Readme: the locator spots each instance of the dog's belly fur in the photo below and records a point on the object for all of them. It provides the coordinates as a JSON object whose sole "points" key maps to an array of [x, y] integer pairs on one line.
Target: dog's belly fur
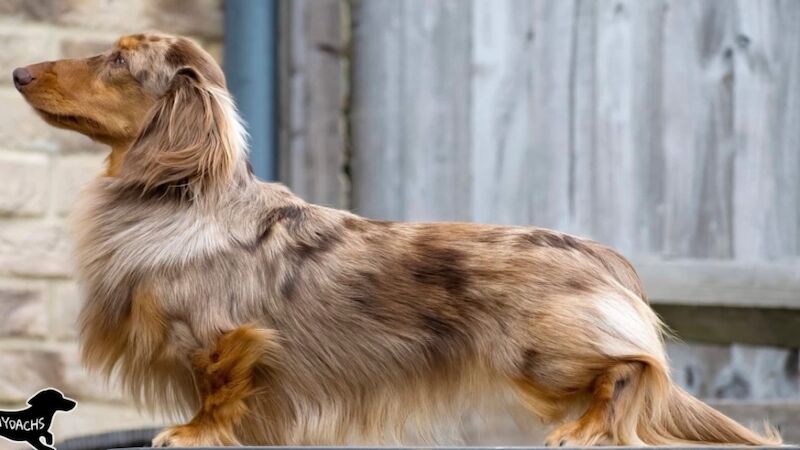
{"points": [[376, 321]]}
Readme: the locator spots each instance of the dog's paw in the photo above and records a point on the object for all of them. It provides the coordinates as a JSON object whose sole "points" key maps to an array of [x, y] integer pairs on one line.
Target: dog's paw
{"points": [[173, 437], [192, 436], [572, 436]]}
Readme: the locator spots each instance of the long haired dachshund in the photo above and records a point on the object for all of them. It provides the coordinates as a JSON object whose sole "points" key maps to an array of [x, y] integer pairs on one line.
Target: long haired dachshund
{"points": [[275, 321]]}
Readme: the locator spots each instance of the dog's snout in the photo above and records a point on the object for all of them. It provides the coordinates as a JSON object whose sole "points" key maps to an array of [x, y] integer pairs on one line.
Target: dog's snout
{"points": [[22, 77]]}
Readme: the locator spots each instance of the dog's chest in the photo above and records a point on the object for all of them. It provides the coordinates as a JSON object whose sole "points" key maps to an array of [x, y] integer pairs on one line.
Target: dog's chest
{"points": [[116, 237]]}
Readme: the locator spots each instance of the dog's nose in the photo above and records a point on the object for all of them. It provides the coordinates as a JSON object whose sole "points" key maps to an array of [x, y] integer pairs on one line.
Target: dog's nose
{"points": [[22, 77]]}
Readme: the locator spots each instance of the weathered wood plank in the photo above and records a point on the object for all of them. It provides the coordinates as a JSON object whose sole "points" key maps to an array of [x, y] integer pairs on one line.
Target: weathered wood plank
{"points": [[722, 302], [617, 157], [613, 168], [313, 90], [377, 118], [647, 128], [410, 109], [521, 111], [721, 283], [698, 134], [492, 56], [767, 114], [435, 98], [725, 325], [583, 138]]}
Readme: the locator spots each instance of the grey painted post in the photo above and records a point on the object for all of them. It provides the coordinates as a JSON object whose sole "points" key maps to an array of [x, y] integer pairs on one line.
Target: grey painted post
{"points": [[250, 66]]}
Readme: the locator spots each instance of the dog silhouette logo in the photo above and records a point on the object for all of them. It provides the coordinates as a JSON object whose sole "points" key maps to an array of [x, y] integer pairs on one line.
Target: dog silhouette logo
{"points": [[33, 423]]}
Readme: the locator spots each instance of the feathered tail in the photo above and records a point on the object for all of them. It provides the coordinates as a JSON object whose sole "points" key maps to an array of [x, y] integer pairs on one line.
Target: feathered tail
{"points": [[675, 417]]}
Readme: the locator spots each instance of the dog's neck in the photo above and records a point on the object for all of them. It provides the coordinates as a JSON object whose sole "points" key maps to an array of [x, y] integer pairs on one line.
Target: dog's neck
{"points": [[242, 173]]}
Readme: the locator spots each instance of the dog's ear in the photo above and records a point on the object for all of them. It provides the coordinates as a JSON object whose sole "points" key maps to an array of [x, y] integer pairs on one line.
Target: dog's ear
{"points": [[190, 140]]}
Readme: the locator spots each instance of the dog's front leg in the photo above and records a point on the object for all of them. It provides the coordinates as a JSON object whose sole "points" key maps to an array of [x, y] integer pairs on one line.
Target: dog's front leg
{"points": [[224, 377]]}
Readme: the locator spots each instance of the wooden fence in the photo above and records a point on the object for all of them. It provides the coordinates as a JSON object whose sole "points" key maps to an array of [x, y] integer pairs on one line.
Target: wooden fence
{"points": [[667, 128]]}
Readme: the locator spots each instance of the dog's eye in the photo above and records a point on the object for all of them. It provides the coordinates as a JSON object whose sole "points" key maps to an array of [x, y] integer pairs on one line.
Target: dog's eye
{"points": [[119, 60]]}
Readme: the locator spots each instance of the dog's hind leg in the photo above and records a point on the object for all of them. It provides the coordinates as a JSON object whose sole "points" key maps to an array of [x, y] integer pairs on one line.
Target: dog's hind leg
{"points": [[599, 356], [224, 377], [48, 437], [612, 414]]}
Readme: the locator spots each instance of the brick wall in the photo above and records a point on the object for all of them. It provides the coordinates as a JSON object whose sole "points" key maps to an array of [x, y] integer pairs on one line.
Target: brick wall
{"points": [[41, 172]]}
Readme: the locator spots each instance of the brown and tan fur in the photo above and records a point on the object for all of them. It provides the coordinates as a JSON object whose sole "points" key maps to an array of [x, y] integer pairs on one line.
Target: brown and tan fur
{"points": [[275, 321]]}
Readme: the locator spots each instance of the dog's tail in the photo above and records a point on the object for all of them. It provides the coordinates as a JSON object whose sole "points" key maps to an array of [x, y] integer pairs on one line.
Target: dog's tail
{"points": [[647, 406], [674, 417]]}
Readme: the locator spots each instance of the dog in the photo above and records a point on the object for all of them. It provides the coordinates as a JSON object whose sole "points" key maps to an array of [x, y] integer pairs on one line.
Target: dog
{"points": [[32, 424], [273, 321]]}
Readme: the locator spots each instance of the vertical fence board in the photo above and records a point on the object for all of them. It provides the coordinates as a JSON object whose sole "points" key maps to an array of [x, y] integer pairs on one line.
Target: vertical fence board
{"points": [[618, 157], [786, 240], [521, 105], [584, 88], [698, 138], [410, 116], [313, 89], [768, 130], [377, 116], [648, 181], [493, 61], [435, 102], [613, 170], [550, 109]]}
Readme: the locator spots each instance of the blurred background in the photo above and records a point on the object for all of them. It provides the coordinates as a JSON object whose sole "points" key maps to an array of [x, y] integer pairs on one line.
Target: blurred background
{"points": [[669, 129]]}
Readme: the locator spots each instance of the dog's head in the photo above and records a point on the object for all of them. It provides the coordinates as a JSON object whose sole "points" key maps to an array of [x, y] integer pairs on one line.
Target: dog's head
{"points": [[51, 399], [160, 101]]}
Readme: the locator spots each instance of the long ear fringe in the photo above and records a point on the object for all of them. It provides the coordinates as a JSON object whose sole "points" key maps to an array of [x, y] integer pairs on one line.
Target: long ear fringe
{"points": [[192, 140]]}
